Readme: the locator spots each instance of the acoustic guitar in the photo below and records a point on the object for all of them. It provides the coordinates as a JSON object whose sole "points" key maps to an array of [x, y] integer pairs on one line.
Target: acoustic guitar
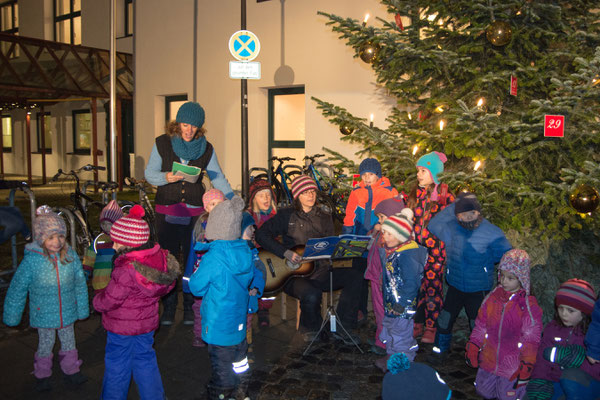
{"points": [[279, 270]]}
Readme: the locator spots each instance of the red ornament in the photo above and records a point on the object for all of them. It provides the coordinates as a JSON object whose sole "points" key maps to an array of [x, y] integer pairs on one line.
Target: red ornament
{"points": [[399, 22]]}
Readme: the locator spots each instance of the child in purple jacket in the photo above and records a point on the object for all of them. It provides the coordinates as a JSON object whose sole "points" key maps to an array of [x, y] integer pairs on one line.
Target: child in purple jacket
{"points": [[561, 368], [143, 272]]}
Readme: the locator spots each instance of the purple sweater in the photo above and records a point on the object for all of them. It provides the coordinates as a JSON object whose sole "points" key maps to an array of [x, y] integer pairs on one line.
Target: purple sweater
{"points": [[129, 304], [555, 334]]}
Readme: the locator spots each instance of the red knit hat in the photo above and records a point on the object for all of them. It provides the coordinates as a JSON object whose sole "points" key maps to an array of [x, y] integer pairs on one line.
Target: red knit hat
{"points": [[578, 294], [257, 186], [301, 184], [132, 230]]}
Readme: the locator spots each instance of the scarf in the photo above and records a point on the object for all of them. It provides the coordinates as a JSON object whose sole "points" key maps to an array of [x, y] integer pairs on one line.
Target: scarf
{"points": [[471, 225], [191, 150]]}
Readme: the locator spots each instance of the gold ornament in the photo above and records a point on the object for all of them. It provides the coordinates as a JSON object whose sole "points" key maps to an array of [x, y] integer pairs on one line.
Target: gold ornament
{"points": [[463, 187], [346, 130], [584, 199], [368, 52], [499, 33]]}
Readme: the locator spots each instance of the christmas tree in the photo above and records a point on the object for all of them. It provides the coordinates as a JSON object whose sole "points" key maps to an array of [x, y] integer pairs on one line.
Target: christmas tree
{"points": [[450, 65]]}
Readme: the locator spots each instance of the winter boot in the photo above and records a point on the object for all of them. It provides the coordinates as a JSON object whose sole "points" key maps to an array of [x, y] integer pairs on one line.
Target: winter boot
{"points": [[429, 335], [188, 312], [42, 366], [263, 318], [70, 363], [441, 348], [418, 330], [42, 384], [217, 393], [381, 363]]}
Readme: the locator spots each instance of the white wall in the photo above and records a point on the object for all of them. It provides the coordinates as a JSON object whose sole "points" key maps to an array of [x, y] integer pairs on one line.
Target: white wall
{"points": [[320, 61]]}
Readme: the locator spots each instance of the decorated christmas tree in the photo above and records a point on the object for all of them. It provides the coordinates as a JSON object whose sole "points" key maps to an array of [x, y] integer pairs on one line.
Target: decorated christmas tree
{"points": [[484, 81]]}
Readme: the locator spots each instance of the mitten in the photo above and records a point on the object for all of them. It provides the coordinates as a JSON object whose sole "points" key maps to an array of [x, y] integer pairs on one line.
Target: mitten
{"points": [[540, 389], [398, 308], [521, 376], [571, 356], [472, 355]]}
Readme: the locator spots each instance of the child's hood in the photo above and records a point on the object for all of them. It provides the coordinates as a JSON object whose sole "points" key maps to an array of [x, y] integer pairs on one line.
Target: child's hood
{"points": [[153, 267], [232, 253], [34, 249], [383, 182]]}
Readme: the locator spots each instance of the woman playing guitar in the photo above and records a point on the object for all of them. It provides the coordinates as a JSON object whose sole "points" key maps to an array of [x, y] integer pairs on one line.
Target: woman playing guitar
{"points": [[295, 225]]}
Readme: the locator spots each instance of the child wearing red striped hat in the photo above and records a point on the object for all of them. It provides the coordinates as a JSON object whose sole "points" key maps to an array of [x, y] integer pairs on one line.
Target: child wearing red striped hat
{"points": [[143, 272], [401, 279], [561, 368]]}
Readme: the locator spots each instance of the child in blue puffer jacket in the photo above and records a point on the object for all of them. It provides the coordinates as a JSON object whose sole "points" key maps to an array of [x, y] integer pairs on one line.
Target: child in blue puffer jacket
{"points": [[223, 279], [473, 246], [52, 275]]}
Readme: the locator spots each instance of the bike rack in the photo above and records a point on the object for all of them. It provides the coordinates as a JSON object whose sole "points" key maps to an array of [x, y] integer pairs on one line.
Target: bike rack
{"points": [[71, 218], [13, 240]]}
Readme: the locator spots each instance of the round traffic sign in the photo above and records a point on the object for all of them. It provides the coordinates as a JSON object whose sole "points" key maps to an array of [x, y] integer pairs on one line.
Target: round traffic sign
{"points": [[244, 45]]}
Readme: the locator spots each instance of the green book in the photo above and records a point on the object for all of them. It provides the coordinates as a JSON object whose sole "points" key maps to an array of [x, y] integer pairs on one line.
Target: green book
{"points": [[189, 172]]}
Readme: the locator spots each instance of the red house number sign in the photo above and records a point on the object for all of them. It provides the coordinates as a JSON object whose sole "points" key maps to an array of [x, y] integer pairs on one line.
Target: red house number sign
{"points": [[554, 125]]}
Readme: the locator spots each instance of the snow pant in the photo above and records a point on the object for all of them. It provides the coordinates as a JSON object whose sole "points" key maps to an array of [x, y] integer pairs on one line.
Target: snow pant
{"points": [[453, 303], [430, 299], [490, 386], [230, 368], [177, 239], [68, 356], [360, 264], [309, 291], [397, 334], [12, 221], [378, 310], [576, 384], [126, 356]]}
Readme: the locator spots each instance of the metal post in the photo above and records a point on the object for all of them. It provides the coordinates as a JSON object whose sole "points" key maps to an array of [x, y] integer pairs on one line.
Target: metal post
{"points": [[43, 140], [1, 145], [245, 175], [28, 144], [95, 140], [113, 92]]}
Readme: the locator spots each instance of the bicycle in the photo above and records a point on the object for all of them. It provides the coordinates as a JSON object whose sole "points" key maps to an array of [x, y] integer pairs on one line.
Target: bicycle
{"points": [[280, 179], [144, 201], [82, 233]]}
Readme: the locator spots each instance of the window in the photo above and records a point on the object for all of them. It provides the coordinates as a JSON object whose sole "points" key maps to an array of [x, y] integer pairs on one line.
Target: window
{"points": [[67, 21], [47, 132], [82, 131], [7, 133], [286, 123], [128, 17], [9, 17], [172, 104]]}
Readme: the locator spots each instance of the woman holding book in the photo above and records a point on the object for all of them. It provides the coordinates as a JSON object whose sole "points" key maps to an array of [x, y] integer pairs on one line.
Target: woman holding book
{"points": [[306, 219], [178, 200]]}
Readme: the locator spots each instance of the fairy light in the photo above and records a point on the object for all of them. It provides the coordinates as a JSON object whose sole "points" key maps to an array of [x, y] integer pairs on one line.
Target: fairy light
{"points": [[442, 123], [477, 165], [480, 102], [366, 19], [371, 118], [415, 149], [439, 109], [431, 17], [409, 116]]}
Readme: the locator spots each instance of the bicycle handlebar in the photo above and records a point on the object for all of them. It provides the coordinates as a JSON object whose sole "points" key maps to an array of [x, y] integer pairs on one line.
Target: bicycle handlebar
{"points": [[282, 159]]}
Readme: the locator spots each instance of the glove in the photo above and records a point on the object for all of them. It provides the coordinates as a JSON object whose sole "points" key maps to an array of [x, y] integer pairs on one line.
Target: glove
{"points": [[398, 308], [571, 356], [521, 376], [472, 355], [540, 389]]}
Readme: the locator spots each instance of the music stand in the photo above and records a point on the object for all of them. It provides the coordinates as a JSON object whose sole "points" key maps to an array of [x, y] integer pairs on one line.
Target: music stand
{"points": [[331, 313]]}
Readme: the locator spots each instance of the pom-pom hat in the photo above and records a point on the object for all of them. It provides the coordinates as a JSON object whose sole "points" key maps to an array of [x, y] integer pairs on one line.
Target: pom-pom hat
{"points": [[110, 213], [400, 225], [301, 184], [191, 113], [412, 380], [131, 230], [46, 224], [578, 294], [370, 165]]}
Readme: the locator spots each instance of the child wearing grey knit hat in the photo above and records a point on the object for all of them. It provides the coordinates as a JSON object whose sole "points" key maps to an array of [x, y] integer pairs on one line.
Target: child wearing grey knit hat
{"points": [[225, 220]]}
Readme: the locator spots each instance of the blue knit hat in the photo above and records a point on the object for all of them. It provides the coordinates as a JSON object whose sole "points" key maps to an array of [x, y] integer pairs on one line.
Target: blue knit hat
{"points": [[191, 113], [434, 162], [370, 165]]}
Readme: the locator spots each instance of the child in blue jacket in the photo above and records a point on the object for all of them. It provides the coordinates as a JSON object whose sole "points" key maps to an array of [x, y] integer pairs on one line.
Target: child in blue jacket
{"points": [[52, 275], [473, 246], [223, 280]]}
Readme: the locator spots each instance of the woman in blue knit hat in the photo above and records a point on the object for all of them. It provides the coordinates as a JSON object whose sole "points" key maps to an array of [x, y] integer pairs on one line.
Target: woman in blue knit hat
{"points": [[178, 201], [426, 199]]}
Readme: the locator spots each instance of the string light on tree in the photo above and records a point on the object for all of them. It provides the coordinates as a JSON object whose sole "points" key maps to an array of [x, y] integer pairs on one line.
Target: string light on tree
{"points": [[366, 19], [371, 118], [477, 165], [442, 123], [415, 149]]}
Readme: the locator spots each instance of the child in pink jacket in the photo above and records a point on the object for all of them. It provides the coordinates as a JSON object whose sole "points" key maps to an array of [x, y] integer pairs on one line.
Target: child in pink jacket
{"points": [[507, 332], [143, 272]]}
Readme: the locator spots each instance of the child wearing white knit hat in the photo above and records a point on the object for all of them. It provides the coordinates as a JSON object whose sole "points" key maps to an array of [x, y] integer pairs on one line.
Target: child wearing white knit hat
{"points": [[402, 274]]}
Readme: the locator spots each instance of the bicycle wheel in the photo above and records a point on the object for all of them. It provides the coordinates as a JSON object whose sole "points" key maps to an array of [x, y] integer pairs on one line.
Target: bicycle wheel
{"points": [[328, 202], [77, 235]]}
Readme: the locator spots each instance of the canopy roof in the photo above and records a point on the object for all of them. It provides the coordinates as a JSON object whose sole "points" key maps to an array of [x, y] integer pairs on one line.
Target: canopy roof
{"points": [[34, 69]]}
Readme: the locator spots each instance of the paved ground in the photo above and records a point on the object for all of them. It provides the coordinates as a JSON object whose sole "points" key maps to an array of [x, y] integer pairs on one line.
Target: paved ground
{"points": [[331, 370]]}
